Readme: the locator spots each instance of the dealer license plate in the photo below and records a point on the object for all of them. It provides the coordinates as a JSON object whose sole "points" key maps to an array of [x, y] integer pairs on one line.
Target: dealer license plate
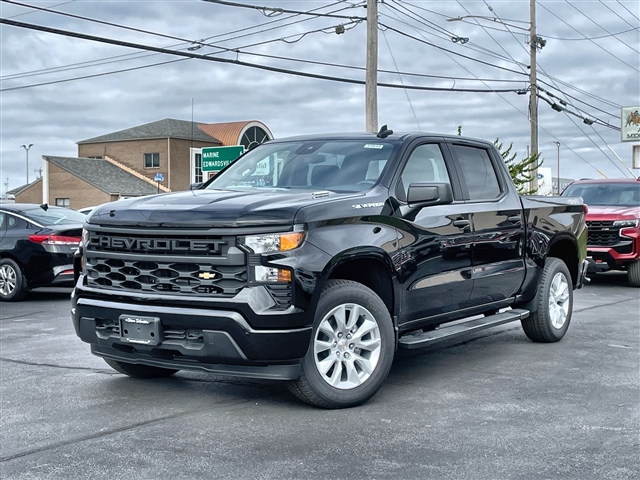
{"points": [[140, 330]]}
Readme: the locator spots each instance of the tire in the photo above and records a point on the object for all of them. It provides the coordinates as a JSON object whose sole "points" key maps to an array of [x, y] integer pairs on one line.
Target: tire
{"points": [[348, 359], [11, 281], [633, 273], [555, 304], [136, 370]]}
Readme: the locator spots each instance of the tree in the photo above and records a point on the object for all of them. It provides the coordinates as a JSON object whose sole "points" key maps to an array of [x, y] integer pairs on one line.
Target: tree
{"points": [[521, 171]]}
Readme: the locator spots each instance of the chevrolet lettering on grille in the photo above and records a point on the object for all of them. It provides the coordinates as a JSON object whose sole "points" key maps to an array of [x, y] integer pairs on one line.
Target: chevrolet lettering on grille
{"points": [[157, 245]]}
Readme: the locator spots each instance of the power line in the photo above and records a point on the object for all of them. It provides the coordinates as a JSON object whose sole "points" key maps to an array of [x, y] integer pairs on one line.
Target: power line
{"points": [[634, 29], [52, 6], [630, 12], [426, 42], [619, 16], [278, 11], [137, 55], [384, 35], [600, 47], [443, 32], [121, 43], [596, 23], [566, 111]]}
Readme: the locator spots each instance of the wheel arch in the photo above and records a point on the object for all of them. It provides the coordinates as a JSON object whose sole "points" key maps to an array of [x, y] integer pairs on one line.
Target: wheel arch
{"points": [[565, 248], [372, 268]]}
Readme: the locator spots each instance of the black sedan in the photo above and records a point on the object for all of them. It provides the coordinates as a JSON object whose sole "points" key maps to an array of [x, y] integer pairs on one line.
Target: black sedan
{"points": [[37, 243]]}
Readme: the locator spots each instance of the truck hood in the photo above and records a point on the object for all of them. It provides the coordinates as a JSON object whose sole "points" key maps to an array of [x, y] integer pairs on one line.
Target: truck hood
{"points": [[612, 212], [211, 208]]}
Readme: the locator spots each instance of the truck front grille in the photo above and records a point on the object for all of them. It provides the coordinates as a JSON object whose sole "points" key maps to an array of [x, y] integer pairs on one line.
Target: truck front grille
{"points": [[602, 234], [190, 265]]}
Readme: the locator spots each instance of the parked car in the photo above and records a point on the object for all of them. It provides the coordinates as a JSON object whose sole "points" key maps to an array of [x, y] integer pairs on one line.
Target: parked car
{"points": [[37, 243], [86, 210], [613, 221]]}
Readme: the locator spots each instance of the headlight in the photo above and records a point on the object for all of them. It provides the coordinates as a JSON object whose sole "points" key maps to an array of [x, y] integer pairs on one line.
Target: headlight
{"points": [[85, 238], [626, 223], [276, 242]]}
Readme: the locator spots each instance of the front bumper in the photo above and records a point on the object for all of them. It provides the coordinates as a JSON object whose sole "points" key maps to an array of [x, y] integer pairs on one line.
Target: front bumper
{"points": [[213, 340], [607, 258]]}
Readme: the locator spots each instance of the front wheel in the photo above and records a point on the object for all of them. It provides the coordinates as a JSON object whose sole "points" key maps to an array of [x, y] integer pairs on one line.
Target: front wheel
{"points": [[633, 273], [135, 370], [351, 349], [555, 304]]}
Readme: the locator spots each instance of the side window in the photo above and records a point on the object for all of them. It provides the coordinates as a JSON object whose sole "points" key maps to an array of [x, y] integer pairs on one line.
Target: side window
{"points": [[425, 164], [2, 220], [14, 222], [478, 172]]}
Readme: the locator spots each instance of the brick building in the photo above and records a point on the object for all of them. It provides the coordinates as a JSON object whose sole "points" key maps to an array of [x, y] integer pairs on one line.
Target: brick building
{"points": [[125, 163]]}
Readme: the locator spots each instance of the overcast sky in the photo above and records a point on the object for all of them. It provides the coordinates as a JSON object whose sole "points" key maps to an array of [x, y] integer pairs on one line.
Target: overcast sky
{"points": [[601, 70]]}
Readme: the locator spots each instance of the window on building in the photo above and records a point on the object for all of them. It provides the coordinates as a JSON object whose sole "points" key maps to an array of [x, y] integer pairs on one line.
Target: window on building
{"points": [[96, 157], [62, 202], [198, 161], [151, 160]]}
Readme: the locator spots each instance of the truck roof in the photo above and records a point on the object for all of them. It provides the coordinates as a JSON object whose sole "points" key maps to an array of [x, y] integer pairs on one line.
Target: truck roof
{"points": [[607, 180]]}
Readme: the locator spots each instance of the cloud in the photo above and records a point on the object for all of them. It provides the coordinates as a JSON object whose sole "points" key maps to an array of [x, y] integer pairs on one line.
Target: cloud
{"points": [[55, 117]]}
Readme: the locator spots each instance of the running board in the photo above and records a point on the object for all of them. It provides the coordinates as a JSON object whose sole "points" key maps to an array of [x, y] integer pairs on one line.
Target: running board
{"points": [[459, 329]]}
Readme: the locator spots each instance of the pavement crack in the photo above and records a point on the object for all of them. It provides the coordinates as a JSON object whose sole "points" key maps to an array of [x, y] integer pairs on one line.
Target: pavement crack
{"points": [[126, 428], [52, 365], [2, 319], [617, 302]]}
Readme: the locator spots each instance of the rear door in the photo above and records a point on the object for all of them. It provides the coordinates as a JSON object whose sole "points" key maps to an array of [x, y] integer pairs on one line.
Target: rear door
{"points": [[496, 217], [434, 252]]}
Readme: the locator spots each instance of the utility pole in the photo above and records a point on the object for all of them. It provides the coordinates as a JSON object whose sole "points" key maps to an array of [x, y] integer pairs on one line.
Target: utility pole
{"points": [[533, 92], [371, 87], [38, 171], [6, 188]]}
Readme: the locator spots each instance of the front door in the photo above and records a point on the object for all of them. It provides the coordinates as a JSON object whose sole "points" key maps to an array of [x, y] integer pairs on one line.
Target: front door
{"points": [[434, 255]]}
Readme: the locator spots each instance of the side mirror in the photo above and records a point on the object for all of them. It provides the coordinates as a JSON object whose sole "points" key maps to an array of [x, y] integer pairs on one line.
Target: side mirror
{"points": [[195, 186], [423, 194]]}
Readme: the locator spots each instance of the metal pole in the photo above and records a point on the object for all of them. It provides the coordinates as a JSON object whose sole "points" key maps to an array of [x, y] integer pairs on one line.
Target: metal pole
{"points": [[533, 99], [558, 145], [26, 148], [371, 87]]}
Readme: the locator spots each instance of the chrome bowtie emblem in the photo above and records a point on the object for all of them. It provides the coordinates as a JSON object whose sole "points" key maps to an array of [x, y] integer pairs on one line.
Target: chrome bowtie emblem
{"points": [[206, 275]]}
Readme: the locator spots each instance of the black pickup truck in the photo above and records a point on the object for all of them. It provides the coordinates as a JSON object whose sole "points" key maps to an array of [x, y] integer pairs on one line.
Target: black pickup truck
{"points": [[313, 259]]}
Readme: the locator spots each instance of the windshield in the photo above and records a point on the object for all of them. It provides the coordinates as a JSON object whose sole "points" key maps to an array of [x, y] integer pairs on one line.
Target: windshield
{"points": [[336, 165], [55, 216], [616, 194]]}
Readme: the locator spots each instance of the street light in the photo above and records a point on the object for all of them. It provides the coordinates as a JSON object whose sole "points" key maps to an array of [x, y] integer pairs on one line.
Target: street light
{"points": [[26, 149], [558, 145]]}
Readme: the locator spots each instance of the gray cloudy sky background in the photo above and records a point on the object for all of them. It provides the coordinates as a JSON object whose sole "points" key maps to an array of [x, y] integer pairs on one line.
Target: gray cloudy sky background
{"points": [[54, 117]]}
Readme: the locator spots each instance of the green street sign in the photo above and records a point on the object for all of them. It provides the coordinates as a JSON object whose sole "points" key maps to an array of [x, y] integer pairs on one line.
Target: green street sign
{"points": [[215, 159]]}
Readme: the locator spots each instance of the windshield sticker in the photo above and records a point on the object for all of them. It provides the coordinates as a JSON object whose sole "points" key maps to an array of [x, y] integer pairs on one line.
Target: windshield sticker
{"points": [[374, 145], [368, 205]]}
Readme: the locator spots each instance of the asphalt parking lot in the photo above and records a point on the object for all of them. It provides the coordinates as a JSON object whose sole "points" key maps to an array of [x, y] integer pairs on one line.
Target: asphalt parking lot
{"points": [[491, 406]]}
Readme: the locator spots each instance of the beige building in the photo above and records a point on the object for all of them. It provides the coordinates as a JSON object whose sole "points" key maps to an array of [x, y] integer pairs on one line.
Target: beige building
{"points": [[125, 163]]}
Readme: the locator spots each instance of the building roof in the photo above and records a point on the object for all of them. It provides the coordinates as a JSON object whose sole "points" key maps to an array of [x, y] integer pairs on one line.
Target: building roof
{"points": [[167, 128], [104, 175], [229, 133], [22, 188]]}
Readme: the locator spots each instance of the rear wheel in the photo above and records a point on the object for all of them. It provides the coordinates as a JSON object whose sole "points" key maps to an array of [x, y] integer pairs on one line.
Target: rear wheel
{"points": [[633, 273], [11, 281], [351, 348], [139, 371], [555, 304]]}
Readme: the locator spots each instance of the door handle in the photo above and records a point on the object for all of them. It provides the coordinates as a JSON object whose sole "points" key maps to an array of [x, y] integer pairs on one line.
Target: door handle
{"points": [[461, 223], [514, 219]]}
